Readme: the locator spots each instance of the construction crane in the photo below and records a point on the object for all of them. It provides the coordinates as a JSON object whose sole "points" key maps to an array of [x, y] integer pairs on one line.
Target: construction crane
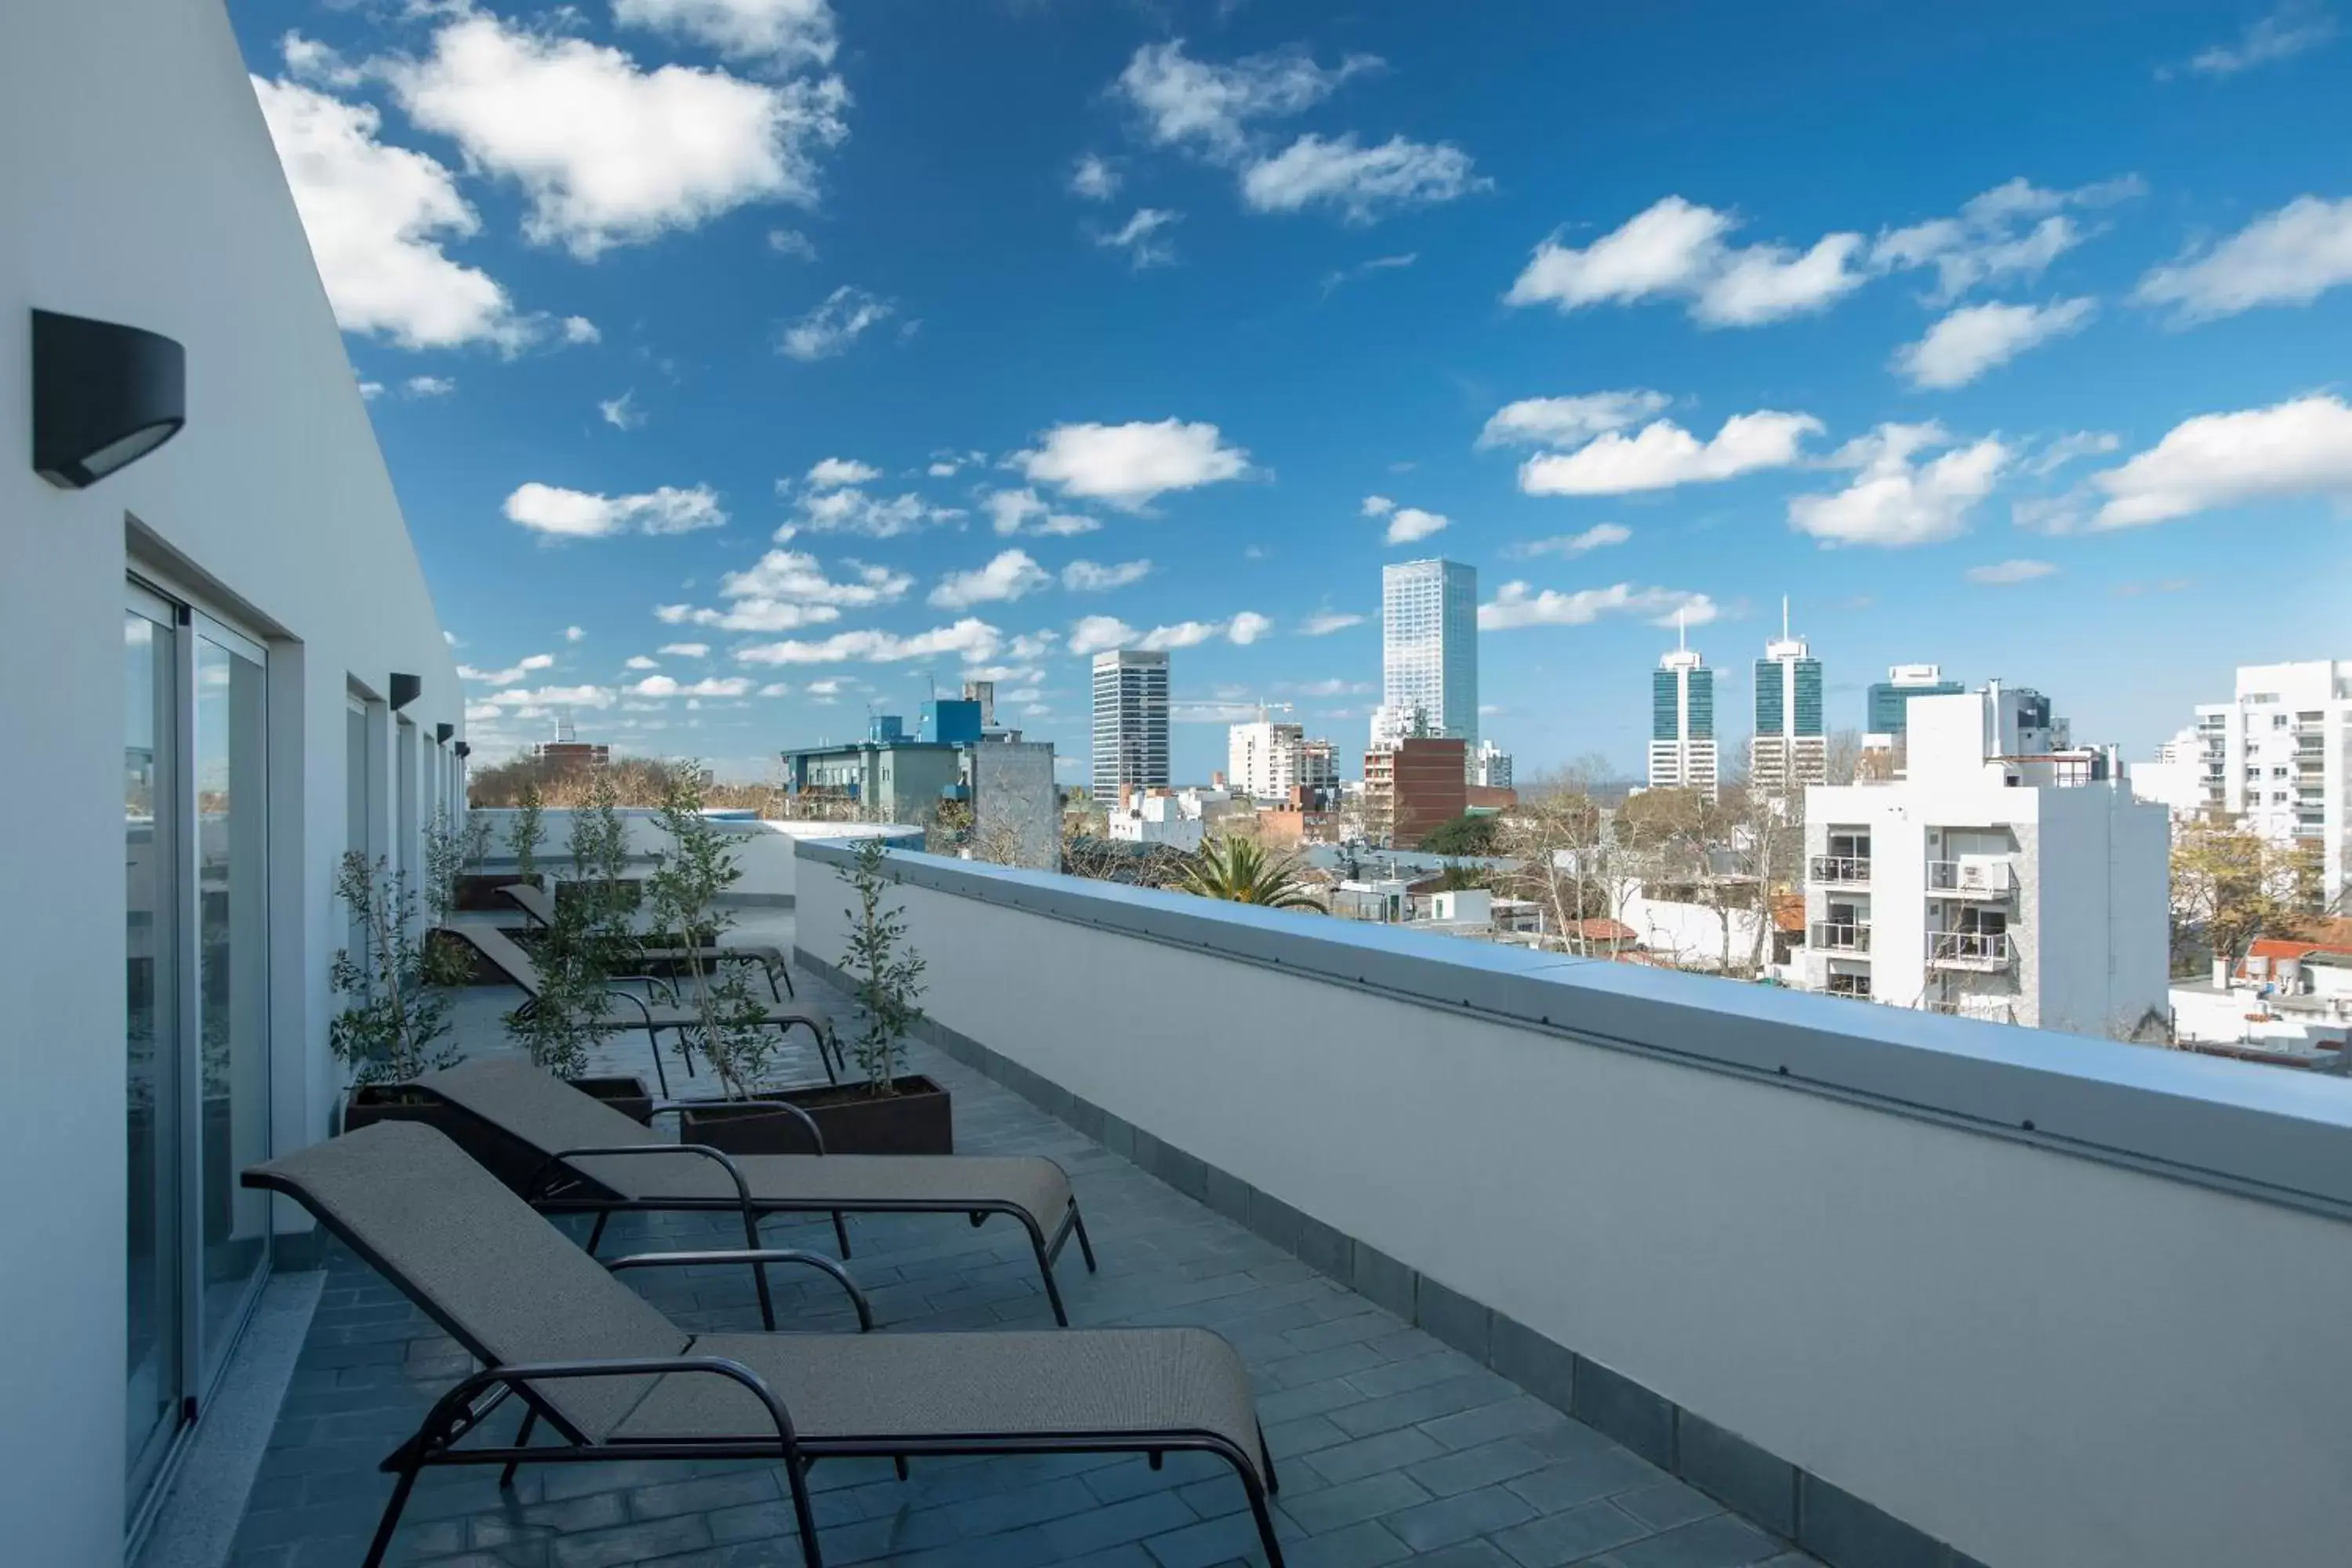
{"points": [[1263, 708]]}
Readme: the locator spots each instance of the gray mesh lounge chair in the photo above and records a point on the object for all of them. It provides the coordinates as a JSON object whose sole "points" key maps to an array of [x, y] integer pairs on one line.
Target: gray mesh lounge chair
{"points": [[507, 956], [599, 1161], [613, 1380], [536, 904]]}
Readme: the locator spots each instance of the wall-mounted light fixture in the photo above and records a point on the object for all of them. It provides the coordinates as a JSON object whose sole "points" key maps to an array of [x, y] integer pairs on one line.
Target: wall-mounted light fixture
{"points": [[463, 749], [104, 395], [404, 688], [441, 734]]}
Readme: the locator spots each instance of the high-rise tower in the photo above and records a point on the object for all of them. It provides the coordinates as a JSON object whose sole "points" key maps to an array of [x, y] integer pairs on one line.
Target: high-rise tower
{"points": [[1682, 720], [1429, 652], [1792, 748], [1131, 733]]}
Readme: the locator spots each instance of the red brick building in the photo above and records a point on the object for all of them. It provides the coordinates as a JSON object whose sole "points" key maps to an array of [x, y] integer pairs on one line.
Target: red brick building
{"points": [[1410, 787]]}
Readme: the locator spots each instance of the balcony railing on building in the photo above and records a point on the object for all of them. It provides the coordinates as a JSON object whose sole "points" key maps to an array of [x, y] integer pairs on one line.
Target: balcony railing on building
{"points": [[1840, 868], [1842, 936], [1970, 949], [1839, 982], [1971, 878]]}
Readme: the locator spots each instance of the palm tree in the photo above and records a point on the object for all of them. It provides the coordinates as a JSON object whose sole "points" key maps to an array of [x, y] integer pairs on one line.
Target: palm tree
{"points": [[1240, 871]]}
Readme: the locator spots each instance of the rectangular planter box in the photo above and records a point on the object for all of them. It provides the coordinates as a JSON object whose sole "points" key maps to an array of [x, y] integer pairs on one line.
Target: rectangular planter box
{"points": [[918, 1120], [477, 891], [626, 1095], [511, 1160]]}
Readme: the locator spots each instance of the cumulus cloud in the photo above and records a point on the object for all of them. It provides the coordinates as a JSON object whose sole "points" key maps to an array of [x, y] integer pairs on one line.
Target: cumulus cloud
{"points": [[1022, 511], [1663, 454], [831, 473], [1378, 506], [1182, 634], [2068, 448], [1408, 524], [1090, 577], [2009, 233], [640, 661], [2290, 257], [852, 510], [577, 330], [1677, 249], [377, 218], [785, 590], [1363, 183], [1894, 501], [1127, 465], [1517, 605], [555, 697], [429, 387], [1139, 236], [2005, 573], [833, 325], [1599, 536], [1569, 421], [1208, 108], [1011, 574], [2301, 448], [791, 242], [1328, 622], [970, 638], [1974, 338], [609, 154], [781, 35], [1100, 634], [685, 650], [309, 60], [574, 634], [710, 685], [1094, 178], [520, 669], [2293, 27], [1247, 628], [578, 514], [1332, 280], [621, 413]]}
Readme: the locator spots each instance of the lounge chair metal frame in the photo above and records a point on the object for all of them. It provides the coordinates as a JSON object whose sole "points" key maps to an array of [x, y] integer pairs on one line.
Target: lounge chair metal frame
{"points": [[462, 1410], [527, 899]]}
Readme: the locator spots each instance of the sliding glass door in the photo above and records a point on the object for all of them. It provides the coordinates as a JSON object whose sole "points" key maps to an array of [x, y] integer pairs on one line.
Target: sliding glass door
{"points": [[195, 825]]}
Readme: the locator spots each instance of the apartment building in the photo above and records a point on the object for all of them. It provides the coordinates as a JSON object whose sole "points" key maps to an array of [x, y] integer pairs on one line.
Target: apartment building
{"points": [[1411, 786], [1130, 722], [1682, 723], [2278, 757], [1791, 746], [2001, 877]]}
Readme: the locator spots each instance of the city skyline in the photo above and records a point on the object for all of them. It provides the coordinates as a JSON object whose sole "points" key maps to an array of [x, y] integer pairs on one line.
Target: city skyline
{"points": [[1246, 302]]}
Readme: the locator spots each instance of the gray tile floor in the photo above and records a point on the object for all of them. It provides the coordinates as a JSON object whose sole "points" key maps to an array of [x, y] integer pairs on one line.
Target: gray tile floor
{"points": [[1390, 1447]]}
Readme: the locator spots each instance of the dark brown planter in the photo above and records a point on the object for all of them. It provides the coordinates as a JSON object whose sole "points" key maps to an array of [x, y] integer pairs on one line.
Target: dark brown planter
{"points": [[626, 1095], [915, 1121], [467, 960], [477, 891]]}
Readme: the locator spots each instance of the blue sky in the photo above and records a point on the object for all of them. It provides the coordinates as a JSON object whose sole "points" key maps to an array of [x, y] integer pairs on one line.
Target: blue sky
{"points": [[862, 346]]}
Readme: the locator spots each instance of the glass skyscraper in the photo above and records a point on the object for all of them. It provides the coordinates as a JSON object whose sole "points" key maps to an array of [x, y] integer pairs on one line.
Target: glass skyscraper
{"points": [[1682, 724], [1429, 651], [1130, 731], [1791, 745]]}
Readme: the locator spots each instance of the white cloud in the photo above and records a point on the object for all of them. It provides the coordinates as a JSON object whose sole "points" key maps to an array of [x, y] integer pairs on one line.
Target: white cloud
{"points": [[1408, 524], [685, 650], [1378, 506], [2293, 27], [2068, 447], [640, 661], [852, 511], [309, 60], [1192, 103], [621, 413], [377, 217], [1973, 339], [1333, 687], [710, 685], [519, 670], [2290, 257], [1663, 454], [1328, 622], [833, 325], [2005, 573], [1139, 237], [786, 590], [1127, 465], [1598, 537], [578, 514], [972, 638], [1093, 178], [1021, 511], [1517, 605], [1089, 577], [578, 330], [1569, 421], [831, 473], [776, 689], [609, 154], [791, 242], [556, 697], [1676, 248], [1099, 634], [1247, 628], [1894, 503], [1184, 634], [429, 387], [780, 34], [574, 634], [2301, 448], [1990, 240], [370, 390], [1363, 183], [1332, 280], [1011, 574], [1195, 711]]}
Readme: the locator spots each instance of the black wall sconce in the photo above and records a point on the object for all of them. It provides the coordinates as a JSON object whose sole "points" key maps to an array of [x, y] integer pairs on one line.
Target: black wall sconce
{"points": [[104, 395], [441, 734], [405, 688], [463, 749]]}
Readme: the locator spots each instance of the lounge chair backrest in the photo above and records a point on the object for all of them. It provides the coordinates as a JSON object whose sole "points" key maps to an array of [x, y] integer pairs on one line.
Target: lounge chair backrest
{"points": [[532, 899], [505, 953], [538, 1107], [506, 1284]]}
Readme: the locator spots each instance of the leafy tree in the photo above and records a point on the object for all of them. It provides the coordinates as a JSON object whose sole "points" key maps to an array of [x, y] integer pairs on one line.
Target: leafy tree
{"points": [[1472, 833], [1240, 871], [1568, 861], [573, 1011], [526, 833], [2229, 885], [886, 974], [391, 1030], [695, 871]]}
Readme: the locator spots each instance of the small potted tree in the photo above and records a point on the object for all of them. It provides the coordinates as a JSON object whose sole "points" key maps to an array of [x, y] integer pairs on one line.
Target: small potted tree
{"points": [[477, 890], [887, 1110], [394, 1024]]}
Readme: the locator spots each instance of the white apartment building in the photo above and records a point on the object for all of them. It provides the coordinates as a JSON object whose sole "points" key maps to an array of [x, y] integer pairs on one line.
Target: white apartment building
{"points": [[1490, 766], [1682, 724], [1999, 879], [2278, 757], [2175, 780], [1429, 652], [1130, 722], [1179, 820]]}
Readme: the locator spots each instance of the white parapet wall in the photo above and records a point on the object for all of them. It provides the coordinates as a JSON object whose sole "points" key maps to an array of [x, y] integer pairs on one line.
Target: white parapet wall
{"points": [[764, 848], [2050, 1300]]}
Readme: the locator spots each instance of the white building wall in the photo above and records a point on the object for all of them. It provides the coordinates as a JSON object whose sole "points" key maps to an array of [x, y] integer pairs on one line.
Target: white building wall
{"points": [[142, 187], [2259, 739]]}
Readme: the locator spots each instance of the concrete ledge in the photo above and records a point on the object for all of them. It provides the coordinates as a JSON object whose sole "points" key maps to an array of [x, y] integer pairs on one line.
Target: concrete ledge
{"points": [[1840, 1529]]}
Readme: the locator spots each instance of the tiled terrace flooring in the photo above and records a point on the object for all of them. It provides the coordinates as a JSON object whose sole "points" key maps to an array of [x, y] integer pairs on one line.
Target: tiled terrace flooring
{"points": [[1390, 1447]]}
